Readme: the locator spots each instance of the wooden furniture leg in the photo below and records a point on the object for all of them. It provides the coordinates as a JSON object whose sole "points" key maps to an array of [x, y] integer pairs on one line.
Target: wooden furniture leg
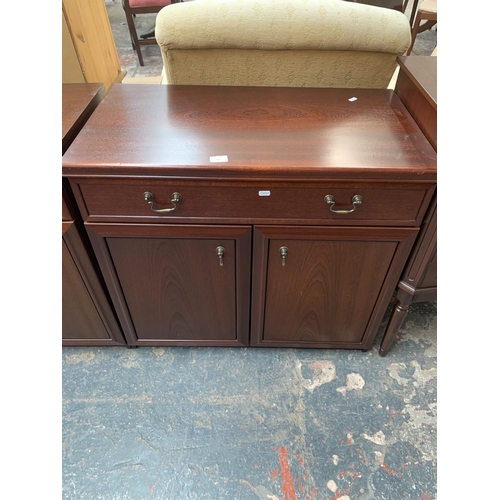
{"points": [[424, 13], [398, 315], [133, 34]]}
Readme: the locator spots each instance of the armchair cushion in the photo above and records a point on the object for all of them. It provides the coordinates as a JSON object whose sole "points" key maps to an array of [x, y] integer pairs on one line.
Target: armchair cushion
{"points": [[318, 43]]}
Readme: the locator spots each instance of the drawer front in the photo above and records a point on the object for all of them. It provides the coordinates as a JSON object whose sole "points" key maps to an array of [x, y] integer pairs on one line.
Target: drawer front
{"points": [[202, 202]]}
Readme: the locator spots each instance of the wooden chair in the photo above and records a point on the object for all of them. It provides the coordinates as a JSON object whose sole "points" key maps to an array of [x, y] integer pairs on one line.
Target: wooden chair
{"points": [[133, 7], [426, 10]]}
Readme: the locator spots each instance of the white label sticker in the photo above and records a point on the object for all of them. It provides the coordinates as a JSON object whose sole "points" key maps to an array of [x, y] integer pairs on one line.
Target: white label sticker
{"points": [[264, 193], [352, 99], [218, 159]]}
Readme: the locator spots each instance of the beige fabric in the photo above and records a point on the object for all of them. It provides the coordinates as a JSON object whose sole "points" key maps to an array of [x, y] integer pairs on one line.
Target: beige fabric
{"points": [[428, 6], [295, 43]]}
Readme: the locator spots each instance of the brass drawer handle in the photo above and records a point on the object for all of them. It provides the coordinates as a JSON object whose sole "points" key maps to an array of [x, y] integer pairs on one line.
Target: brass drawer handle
{"points": [[176, 197], [220, 253], [356, 200], [283, 253]]}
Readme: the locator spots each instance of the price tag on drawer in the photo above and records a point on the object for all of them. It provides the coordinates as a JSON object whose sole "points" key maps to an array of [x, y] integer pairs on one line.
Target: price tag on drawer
{"points": [[264, 193]]}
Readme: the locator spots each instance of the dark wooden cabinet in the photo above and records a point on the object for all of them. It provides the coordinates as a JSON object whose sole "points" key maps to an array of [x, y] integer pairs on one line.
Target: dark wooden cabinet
{"points": [[166, 176], [178, 285], [87, 315], [416, 86]]}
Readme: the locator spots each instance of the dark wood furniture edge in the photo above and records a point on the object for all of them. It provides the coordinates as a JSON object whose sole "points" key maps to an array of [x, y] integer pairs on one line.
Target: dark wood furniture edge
{"points": [[402, 62], [92, 282], [84, 115]]}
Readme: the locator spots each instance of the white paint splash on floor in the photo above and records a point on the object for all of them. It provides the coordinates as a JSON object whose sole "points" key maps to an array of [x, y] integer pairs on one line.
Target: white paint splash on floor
{"points": [[416, 333], [332, 486], [423, 376], [72, 359], [354, 382], [379, 458], [377, 438], [394, 369], [324, 372]]}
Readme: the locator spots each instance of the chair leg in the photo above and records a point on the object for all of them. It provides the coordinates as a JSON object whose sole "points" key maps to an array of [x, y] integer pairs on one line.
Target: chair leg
{"points": [[414, 32], [133, 36], [413, 11]]}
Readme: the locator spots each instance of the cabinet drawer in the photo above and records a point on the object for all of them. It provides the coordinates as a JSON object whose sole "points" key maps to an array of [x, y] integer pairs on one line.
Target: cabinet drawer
{"points": [[125, 201]]}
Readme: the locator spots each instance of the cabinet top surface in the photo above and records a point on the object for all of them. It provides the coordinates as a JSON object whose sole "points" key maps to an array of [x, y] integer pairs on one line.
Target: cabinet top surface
{"points": [[422, 70], [78, 101], [159, 130]]}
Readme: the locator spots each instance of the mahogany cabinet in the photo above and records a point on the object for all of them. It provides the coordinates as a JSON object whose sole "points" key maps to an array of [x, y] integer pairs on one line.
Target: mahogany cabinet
{"points": [[251, 216], [416, 86], [87, 315]]}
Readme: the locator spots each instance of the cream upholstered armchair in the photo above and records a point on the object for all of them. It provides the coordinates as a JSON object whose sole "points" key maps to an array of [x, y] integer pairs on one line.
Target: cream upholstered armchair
{"points": [[288, 43]]}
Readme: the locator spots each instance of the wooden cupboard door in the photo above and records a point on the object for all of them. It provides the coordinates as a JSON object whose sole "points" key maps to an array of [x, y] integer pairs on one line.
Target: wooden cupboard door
{"points": [[87, 318], [330, 287], [169, 283]]}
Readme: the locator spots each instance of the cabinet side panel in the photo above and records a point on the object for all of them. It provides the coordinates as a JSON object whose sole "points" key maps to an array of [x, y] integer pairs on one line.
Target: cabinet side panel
{"points": [[80, 319]]}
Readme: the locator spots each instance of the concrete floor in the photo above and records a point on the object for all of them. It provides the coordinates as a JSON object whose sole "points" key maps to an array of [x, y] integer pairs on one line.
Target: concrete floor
{"points": [[251, 424], [240, 423]]}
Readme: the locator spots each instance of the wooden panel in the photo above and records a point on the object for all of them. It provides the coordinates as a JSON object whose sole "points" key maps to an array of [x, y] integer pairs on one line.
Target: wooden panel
{"points": [[80, 319], [90, 30], [417, 88], [79, 101], [87, 316], [267, 133], [326, 290], [168, 284], [66, 212], [333, 288], [71, 69], [176, 289], [244, 202]]}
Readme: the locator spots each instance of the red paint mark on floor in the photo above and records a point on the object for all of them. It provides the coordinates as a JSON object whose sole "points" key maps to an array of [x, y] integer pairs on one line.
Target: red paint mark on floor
{"points": [[286, 476], [340, 494], [424, 496], [389, 471], [348, 473], [274, 473]]}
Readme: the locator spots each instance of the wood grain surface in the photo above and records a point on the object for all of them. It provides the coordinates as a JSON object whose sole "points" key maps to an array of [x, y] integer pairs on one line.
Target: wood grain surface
{"points": [[296, 133]]}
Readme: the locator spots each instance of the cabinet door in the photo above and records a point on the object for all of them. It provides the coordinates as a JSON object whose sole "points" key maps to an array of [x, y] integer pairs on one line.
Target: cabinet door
{"points": [[87, 318], [330, 289], [177, 285]]}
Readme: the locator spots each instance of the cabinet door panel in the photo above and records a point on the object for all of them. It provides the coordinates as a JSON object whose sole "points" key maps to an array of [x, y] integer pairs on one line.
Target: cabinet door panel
{"points": [[176, 289], [332, 288], [326, 290], [168, 284]]}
